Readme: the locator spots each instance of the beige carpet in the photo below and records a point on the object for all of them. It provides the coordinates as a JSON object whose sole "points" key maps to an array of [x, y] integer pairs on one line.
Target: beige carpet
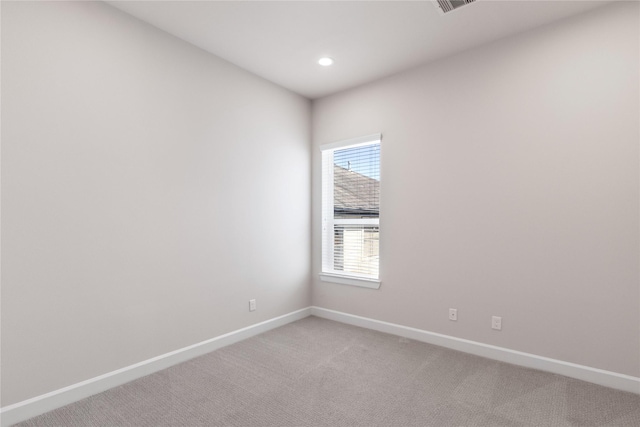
{"points": [[316, 372]]}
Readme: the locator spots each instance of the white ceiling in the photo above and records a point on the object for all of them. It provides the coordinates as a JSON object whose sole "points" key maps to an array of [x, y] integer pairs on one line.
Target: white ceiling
{"points": [[283, 40]]}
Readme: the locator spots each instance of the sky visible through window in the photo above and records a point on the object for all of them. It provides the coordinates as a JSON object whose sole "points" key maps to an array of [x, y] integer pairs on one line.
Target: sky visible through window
{"points": [[364, 160]]}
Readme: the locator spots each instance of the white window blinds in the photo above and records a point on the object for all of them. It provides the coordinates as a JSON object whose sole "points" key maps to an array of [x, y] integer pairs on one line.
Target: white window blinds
{"points": [[351, 208]]}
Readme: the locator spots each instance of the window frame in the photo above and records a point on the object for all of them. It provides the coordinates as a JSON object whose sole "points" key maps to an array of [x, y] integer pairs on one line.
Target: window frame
{"points": [[328, 274]]}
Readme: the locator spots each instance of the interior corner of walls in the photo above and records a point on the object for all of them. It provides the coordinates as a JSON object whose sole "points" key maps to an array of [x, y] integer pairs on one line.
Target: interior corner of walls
{"points": [[149, 180]]}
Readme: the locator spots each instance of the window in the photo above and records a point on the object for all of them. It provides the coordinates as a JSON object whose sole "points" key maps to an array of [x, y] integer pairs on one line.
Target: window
{"points": [[351, 211]]}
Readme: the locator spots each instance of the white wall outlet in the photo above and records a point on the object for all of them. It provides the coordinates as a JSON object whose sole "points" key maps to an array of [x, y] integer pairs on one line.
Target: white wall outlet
{"points": [[252, 305], [453, 314], [496, 323]]}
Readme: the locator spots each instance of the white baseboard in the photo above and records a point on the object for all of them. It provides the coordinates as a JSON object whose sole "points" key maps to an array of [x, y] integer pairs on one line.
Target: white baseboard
{"points": [[585, 373], [38, 405]]}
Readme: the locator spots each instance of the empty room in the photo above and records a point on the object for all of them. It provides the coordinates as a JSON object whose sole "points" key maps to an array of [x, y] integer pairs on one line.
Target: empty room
{"points": [[320, 213]]}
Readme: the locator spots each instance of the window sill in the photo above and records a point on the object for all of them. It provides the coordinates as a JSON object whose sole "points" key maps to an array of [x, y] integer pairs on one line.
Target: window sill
{"points": [[350, 280]]}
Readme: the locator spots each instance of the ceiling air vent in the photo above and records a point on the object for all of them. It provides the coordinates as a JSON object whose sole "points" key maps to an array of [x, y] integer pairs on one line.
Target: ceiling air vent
{"points": [[446, 6]]}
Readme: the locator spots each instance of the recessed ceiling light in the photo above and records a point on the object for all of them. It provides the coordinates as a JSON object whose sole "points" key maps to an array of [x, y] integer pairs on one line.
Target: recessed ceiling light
{"points": [[325, 62]]}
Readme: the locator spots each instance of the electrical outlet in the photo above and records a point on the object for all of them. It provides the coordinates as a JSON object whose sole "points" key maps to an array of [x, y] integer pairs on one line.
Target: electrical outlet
{"points": [[252, 305], [453, 314], [496, 323]]}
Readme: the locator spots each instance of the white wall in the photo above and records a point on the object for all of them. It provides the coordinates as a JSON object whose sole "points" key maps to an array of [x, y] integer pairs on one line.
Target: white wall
{"points": [[149, 190], [139, 175], [510, 187]]}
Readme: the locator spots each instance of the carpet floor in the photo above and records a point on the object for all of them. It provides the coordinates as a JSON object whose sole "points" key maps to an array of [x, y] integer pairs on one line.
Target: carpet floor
{"points": [[316, 372]]}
